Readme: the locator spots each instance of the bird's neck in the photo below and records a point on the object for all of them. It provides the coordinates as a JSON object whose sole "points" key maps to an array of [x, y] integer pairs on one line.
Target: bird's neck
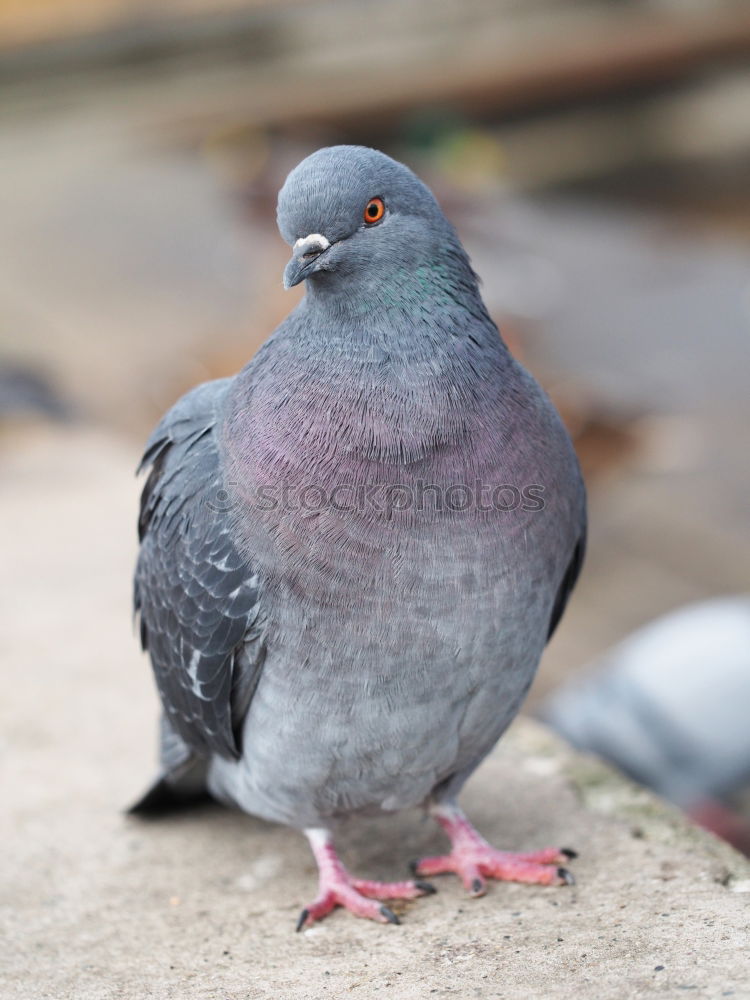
{"points": [[398, 307]]}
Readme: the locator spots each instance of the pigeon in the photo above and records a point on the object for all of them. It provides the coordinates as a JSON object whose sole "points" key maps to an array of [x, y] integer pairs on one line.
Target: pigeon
{"points": [[668, 706], [354, 551]]}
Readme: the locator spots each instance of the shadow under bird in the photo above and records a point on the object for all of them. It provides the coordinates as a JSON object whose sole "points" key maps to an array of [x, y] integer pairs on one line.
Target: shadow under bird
{"points": [[354, 551]]}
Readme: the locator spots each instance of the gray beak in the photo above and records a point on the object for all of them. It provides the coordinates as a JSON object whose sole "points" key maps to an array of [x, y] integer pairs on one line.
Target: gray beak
{"points": [[305, 254]]}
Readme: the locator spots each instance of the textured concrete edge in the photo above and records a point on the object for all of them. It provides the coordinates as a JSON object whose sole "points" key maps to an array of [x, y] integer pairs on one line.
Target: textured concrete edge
{"points": [[602, 789]]}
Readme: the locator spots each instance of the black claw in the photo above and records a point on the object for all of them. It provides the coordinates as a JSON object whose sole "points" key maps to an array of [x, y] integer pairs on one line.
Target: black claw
{"points": [[426, 887], [414, 866], [566, 876], [476, 885], [389, 915], [569, 853], [302, 919]]}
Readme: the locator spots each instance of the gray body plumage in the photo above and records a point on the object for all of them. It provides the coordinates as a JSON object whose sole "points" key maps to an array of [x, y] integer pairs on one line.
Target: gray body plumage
{"points": [[333, 628]]}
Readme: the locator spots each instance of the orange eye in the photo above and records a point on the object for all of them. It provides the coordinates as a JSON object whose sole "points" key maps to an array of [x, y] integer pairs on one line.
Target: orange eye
{"points": [[374, 210]]}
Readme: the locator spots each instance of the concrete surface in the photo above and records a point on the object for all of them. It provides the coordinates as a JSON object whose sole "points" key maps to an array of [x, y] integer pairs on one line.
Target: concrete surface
{"points": [[95, 905]]}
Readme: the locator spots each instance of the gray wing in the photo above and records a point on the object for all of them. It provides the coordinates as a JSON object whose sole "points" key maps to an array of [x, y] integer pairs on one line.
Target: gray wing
{"points": [[197, 597]]}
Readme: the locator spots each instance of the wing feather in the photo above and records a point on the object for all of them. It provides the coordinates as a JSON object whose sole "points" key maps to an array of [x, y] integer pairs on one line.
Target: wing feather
{"points": [[197, 597]]}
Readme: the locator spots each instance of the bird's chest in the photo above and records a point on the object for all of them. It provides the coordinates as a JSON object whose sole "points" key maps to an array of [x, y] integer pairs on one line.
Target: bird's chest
{"points": [[396, 528], [395, 567]]}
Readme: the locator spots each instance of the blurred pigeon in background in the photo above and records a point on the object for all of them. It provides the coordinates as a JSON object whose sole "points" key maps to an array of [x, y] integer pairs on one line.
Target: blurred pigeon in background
{"points": [[354, 551], [669, 707]]}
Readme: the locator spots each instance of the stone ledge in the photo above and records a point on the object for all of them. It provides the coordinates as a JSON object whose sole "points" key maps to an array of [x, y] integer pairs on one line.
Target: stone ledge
{"points": [[98, 907]]}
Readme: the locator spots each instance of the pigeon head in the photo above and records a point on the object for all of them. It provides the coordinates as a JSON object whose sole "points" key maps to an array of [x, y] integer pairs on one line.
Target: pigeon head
{"points": [[356, 219]]}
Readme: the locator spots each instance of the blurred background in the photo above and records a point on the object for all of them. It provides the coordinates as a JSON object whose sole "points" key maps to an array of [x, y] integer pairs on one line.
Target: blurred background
{"points": [[595, 158]]}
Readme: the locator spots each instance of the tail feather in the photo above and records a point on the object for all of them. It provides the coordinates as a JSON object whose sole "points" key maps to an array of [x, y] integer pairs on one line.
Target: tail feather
{"points": [[181, 783], [164, 797]]}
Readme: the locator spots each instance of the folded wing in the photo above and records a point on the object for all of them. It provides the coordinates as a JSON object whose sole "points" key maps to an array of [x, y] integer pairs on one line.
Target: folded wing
{"points": [[197, 597]]}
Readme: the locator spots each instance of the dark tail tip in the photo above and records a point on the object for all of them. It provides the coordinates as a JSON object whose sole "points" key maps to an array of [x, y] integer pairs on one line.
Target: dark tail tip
{"points": [[163, 798]]}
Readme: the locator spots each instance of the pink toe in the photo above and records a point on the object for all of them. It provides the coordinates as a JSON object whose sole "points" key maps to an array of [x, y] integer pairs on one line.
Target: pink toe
{"points": [[360, 906], [439, 865], [512, 868], [387, 890], [318, 909], [548, 856], [471, 876]]}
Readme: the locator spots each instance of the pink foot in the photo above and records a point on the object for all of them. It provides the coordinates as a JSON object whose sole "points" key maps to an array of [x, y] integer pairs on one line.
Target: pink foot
{"points": [[360, 896], [473, 859]]}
